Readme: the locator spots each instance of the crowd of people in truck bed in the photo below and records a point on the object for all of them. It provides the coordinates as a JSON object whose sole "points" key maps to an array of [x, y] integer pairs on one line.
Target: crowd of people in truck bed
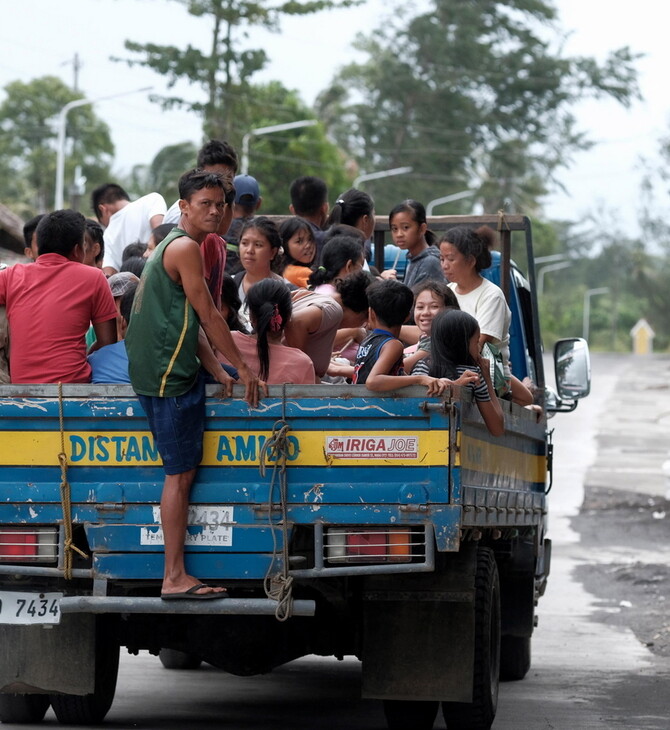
{"points": [[300, 299]]}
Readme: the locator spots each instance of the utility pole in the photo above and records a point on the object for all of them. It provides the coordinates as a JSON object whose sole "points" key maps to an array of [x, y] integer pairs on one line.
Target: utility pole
{"points": [[76, 65]]}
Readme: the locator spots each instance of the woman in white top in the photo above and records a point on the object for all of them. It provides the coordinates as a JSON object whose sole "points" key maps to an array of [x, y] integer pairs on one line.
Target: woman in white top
{"points": [[463, 254]]}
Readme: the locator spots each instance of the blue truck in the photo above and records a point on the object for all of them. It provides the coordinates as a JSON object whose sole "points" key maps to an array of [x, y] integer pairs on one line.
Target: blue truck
{"points": [[390, 527]]}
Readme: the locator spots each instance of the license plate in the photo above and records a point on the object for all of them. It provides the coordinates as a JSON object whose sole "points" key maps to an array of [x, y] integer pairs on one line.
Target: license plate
{"points": [[29, 608]]}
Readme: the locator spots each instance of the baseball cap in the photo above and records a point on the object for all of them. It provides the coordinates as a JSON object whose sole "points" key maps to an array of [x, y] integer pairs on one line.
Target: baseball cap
{"points": [[120, 283], [247, 191]]}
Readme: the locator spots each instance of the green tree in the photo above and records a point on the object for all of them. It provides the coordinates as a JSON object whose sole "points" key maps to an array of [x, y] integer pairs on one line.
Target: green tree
{"points": [[164, 171], [225, 69], [276, 159], [471, 96], [28, 134]]}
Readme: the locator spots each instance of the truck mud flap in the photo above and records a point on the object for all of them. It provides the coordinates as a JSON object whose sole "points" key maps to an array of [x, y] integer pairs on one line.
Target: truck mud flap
{"points": [[419, 633], [57, 658]]}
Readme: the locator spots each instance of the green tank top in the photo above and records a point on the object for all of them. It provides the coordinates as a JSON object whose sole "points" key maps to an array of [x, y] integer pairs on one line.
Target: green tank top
{"points": [[162, 336]]}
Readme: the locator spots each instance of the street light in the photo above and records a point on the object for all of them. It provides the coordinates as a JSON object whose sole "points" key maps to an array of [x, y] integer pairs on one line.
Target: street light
{"points": [[268, 130], [587, 308], [448, 199], [60, 146], [545, 270], [381, 174], [552, 257]]}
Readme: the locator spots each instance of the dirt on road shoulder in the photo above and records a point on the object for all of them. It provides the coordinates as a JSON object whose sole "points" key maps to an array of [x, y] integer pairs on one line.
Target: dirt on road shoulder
{"points": [[627, 534]]}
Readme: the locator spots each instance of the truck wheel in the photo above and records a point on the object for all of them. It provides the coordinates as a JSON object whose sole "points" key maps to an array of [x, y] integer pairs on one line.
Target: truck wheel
{"points": [[480, 713], [415, 714], [514, 657], [23, 708], [91, 709], [173, 659]]}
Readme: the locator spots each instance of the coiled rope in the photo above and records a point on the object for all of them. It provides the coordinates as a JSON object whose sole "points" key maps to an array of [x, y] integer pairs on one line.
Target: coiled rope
{"points": [[278, 586], [65, 498]]}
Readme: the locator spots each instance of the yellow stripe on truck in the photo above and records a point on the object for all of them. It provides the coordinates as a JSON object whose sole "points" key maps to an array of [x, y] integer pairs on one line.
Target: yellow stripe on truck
{"points": [[224, 448]]}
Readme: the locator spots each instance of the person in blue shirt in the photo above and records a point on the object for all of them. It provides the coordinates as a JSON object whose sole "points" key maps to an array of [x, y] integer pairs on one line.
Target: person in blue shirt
{"points": [[109, 364]]}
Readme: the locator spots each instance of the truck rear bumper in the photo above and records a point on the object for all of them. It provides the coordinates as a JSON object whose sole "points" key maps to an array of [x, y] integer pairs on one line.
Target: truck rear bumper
{"points": [[123, 604]]}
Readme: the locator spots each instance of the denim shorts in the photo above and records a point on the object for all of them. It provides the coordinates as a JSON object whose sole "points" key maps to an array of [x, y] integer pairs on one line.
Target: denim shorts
{"points": [[177, 424]]}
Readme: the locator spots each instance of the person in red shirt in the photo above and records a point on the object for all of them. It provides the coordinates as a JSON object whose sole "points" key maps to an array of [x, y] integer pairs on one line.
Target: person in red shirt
{"points": [[51, 304]]}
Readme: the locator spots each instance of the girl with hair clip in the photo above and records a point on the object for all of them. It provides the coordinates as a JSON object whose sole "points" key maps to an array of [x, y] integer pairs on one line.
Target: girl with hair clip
{"points": [[455, 356], [355, 208], [270, 311], [341, 256], [409, 230], [297, 239]]}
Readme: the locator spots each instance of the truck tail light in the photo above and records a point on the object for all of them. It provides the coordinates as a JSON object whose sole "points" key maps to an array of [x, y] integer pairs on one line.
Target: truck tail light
{"points": [[369, 545], [28, 544]]}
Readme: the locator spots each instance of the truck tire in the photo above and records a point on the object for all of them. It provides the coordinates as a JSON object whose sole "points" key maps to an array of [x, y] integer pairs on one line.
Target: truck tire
{"points": [[414, 714], [91, 709], [514, 658], [481, 712], [21, 709], [173, 659]]}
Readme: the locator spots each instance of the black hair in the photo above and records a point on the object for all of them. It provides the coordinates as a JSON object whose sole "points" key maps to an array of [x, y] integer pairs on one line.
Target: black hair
{"points": [[287, 230], [161, 231], [270, 307], [440, 289], [450, 337], [391, 301], [107, 193], [133, 249], [266, 226], [134, 264], [217, 152], [349, 207], [341, 229], [308, 194], [94, 230], [469, 243], [353, 291], [30, 227], [126, 301], [193, 180], [334, 257], [418, 213], [60, 231], [230, 296]]}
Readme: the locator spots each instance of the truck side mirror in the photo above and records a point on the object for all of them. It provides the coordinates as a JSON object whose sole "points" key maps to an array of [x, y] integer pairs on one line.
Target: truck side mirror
{"points": [[572, 367]]}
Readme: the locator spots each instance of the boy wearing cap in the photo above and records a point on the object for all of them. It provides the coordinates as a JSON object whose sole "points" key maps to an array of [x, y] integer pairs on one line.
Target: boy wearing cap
{"points": [[247, 201]]}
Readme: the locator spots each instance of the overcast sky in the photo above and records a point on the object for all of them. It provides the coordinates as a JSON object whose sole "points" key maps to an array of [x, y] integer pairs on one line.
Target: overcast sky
{"points": [[40, 37]]}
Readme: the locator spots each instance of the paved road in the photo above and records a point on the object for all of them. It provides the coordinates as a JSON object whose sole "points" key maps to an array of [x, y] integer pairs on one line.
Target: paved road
{"points": [[585, 674]]}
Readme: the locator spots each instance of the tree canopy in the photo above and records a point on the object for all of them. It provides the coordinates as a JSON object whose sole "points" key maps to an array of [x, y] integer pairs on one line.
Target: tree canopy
{"points": [[225, 69], [28, 135], [471, 95]]}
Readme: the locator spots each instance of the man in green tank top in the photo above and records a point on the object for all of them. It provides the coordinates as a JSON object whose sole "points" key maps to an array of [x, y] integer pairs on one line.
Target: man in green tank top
{"points": [[168, 339]]}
